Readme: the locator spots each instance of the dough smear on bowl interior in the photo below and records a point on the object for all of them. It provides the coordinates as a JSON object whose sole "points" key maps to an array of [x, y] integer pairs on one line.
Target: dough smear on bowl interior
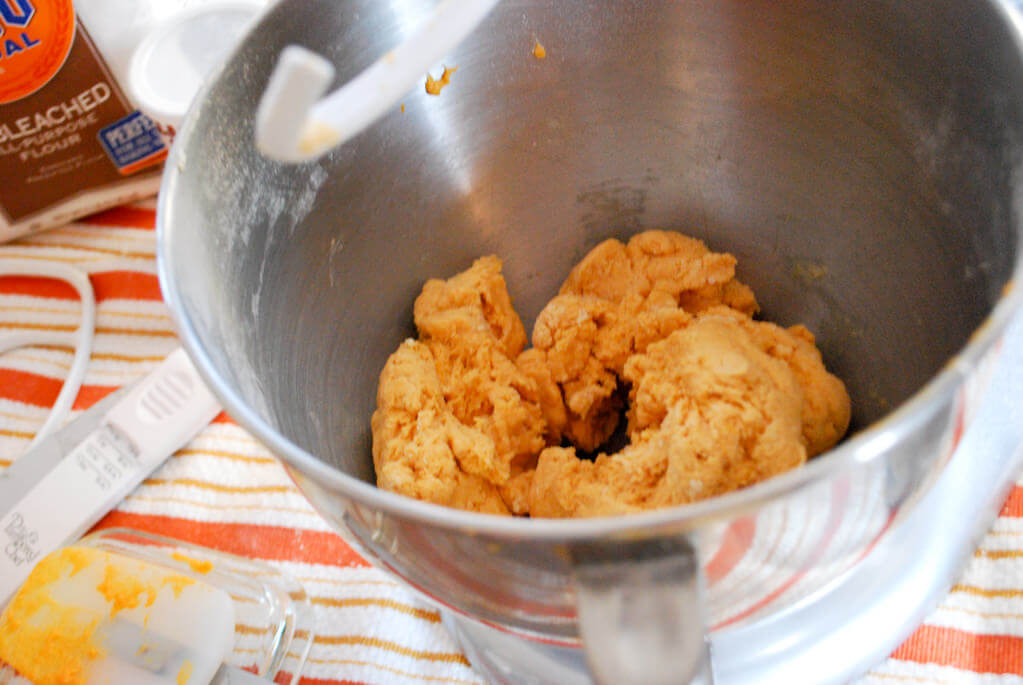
{"points": [[658, 330]]}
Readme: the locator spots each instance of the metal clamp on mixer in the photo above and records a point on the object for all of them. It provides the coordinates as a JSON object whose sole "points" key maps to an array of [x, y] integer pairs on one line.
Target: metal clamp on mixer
{"points": [[642, 598]]}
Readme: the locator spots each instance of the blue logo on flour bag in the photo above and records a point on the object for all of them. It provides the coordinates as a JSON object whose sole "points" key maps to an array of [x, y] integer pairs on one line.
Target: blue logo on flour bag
{"points": [[133, 143]]}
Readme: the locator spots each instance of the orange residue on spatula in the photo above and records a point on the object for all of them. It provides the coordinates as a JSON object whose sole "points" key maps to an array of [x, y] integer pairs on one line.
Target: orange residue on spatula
{"points": [[55, 629], [44, 640]]}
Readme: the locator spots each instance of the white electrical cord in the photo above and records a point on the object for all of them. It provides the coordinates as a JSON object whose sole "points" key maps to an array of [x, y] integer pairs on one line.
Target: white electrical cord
{"points": [[80, 340]]}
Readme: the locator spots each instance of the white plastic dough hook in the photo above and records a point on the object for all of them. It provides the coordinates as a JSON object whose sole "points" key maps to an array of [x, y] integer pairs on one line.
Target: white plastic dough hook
{"points": [[293, 124], [80, 340]]}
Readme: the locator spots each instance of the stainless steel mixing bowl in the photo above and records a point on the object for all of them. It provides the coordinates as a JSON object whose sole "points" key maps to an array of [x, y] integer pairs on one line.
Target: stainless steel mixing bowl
{"points": [[861, 159]]}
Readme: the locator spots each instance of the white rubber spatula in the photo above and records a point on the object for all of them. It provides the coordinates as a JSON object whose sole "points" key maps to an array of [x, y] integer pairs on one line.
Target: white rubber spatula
{"points": [[106, 618], [293, 124]]}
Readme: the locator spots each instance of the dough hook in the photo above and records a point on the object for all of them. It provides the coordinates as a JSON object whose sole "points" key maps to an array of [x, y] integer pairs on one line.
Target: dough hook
{"points": [[293, 123]]}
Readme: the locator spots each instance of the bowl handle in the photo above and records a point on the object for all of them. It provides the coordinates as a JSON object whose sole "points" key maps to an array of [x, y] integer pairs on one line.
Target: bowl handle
{"points": [[640, 611]]}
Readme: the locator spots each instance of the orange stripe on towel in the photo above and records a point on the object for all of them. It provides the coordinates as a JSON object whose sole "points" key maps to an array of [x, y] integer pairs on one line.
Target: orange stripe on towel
{"points": [[245, 539], [126, 285], [42, 391], [1013, 506], [107, 285], [1001, 654]]}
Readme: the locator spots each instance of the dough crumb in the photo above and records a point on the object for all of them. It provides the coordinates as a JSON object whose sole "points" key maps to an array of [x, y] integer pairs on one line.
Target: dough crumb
{"points": [[435, 86]]}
